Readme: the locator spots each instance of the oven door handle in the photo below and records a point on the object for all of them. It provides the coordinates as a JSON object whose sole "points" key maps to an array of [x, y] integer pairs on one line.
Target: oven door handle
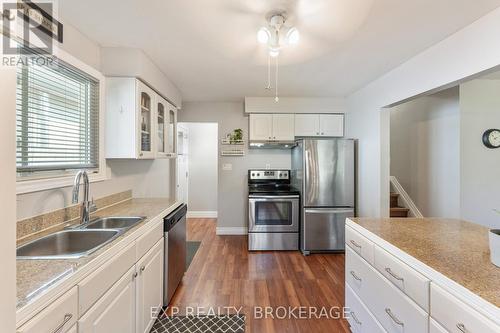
{"points": [[273, 196]]}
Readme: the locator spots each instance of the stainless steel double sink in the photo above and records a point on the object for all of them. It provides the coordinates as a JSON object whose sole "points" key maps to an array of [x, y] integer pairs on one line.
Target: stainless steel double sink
{"points": [[79, 241]]}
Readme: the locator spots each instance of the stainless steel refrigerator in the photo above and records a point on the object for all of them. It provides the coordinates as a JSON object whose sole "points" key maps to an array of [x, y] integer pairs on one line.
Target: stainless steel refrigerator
{"points": [[324, 172]]}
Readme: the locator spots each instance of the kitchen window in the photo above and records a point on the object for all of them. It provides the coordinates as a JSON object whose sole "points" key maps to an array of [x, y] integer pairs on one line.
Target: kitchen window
{"points": [[58, 127]]}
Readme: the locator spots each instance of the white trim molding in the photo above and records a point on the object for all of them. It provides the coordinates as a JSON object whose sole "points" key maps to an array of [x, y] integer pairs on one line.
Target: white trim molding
{"points": [[405, 197], [228, 231], [208, 214]]}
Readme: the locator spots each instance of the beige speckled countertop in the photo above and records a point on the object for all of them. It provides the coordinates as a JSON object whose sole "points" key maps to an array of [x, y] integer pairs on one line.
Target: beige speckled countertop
{"points": [[457, 249], [36, 277]]}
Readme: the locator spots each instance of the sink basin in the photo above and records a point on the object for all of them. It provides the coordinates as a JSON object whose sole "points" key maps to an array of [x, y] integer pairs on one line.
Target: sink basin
{"points": [[67, 244], [113, 223]]}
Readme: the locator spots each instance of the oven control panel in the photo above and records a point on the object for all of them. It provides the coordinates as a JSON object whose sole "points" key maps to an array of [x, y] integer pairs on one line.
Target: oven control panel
{"points": [[268, 174]]}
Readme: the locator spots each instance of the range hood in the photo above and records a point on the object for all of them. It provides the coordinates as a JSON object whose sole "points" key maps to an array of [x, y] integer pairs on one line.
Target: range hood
{"points": [[272, 144]]}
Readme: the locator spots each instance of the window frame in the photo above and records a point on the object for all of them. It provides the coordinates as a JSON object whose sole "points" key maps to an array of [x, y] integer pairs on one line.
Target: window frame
{"points": [[46, 181]]}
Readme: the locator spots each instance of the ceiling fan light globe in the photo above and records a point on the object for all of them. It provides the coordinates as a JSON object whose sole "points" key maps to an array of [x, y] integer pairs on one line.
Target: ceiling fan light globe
{"points": [[293, 36], [263, 35], [274, 53]]}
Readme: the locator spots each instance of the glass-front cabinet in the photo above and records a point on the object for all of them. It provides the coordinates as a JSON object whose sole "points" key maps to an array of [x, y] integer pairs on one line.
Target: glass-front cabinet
{"points": [[146, 118], [133, 107], [171, 131]]}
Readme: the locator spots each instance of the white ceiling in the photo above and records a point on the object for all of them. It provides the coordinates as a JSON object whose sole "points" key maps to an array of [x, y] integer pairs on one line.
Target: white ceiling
{"points": [[209, 49]]}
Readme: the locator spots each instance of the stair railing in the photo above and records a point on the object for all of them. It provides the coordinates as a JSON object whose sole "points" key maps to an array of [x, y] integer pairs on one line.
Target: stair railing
{"points": [[405, 198]]}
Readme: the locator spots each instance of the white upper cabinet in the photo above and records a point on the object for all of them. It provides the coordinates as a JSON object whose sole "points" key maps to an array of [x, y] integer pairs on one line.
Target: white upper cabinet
{"points": [[261, 127], [140, 124], [306, 125], [331, 125], [272, 127], [283, 127], [324, 125]]}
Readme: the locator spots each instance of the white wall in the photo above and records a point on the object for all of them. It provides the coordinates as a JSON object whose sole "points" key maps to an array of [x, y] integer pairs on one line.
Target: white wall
{"points": [[232, 185], [7, 199], [480, 172], [469, 51], [203, 173], [425, 152]]}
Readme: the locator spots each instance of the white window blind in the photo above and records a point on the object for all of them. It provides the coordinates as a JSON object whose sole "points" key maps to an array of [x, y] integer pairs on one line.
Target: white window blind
{"points": [[57, 117]]}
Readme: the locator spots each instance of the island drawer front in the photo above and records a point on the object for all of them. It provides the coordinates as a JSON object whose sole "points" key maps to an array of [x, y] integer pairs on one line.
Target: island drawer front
{"points": [[456, 316], [148, 240], [359, 317], [59, 316], [357, 274], [408, 280], [434, 327], [359, 243], [98, 283], [395, 311]]}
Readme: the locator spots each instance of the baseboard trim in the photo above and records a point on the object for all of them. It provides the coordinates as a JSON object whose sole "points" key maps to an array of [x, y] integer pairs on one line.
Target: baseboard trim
{"points": [[231, 231], [202, 214]]}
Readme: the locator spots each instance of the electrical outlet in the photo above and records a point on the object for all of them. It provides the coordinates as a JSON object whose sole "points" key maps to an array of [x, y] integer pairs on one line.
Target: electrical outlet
{"points": [[227, 167], [268, 166]]}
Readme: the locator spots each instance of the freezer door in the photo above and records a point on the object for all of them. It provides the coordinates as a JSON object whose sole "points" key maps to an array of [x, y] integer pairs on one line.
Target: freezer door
{"points": [[328, 173], [324, 229]]}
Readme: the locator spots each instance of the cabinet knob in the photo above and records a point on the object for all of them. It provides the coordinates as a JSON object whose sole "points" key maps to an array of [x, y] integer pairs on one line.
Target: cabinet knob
{"points": [[317, 133], [140, 154], [134, 275], [143, 268], [322, 133]]}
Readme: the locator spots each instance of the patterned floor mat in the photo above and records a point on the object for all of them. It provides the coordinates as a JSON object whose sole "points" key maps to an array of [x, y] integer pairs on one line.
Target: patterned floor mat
{"points": [[200, 324]]}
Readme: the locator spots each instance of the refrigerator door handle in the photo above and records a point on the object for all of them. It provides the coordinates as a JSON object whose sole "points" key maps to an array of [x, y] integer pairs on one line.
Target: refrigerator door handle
{"points": [[329, 210]]}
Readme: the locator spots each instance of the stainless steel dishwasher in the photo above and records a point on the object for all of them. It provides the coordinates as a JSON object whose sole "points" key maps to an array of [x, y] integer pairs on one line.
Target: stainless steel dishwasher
{"points": [[174, 228]]}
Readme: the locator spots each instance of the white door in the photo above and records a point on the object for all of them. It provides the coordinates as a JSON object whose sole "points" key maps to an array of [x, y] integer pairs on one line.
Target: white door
{"points": [[331, 125], [307, 125], [115, 311], [283, 127], [149, 288], [182, 164], [261, 127]]}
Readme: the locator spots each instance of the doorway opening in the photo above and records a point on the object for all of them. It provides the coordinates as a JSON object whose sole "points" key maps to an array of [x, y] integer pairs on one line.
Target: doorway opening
{"points": [[197, 168]]}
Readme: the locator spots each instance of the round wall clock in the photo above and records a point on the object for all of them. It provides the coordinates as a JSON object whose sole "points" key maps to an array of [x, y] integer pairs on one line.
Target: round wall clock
{"points": [[491, 138]]}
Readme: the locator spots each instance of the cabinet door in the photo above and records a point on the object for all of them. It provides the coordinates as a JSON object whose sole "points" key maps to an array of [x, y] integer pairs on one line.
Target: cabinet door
{"points": [[149, 287], [283, 127], [307, 125], [261, 127], [331, 125], [171, 136], [146, 105], [115, 311], [161, 127]]}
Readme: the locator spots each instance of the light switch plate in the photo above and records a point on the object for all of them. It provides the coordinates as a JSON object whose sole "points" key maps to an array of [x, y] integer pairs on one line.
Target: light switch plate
{"points": [[227, 167]]}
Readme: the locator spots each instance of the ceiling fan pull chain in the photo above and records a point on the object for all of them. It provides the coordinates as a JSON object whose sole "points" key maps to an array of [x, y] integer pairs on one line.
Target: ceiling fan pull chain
{"points": [[276, 99], [268, 87]]}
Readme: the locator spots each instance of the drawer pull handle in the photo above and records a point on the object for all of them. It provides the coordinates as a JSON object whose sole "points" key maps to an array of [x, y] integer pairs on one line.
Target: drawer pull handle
{"points": [[67, 317], [355, 244], [388, 270], [393, 317], [461, 327], [355, 276], [355, 318]]}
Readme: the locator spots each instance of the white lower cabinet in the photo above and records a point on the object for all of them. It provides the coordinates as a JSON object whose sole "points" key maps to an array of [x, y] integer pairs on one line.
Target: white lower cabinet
{"points": [[58, 317], [434, 327], [395, 311], [456, 316], [359, 317], [149, 287], [115, 311]]}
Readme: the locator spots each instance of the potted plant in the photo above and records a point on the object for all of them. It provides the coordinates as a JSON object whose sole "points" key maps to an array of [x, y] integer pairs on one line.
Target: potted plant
{"points": [[236, 136]]}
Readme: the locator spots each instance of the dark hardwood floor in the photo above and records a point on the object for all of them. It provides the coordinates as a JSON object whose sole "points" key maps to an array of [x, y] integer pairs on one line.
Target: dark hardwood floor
{"points": [[224, 274]]}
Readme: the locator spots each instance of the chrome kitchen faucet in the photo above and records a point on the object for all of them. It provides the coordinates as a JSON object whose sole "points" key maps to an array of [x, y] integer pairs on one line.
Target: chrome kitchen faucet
{"points": [[87, 206]]}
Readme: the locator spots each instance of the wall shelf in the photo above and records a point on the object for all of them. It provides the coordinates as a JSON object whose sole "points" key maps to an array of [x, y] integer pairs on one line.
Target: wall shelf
{"points": [[228, 142], [233, 152]]}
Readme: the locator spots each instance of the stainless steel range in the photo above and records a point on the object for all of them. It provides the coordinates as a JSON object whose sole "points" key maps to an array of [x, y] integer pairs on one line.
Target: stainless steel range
{"points": [[273, 211]]}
